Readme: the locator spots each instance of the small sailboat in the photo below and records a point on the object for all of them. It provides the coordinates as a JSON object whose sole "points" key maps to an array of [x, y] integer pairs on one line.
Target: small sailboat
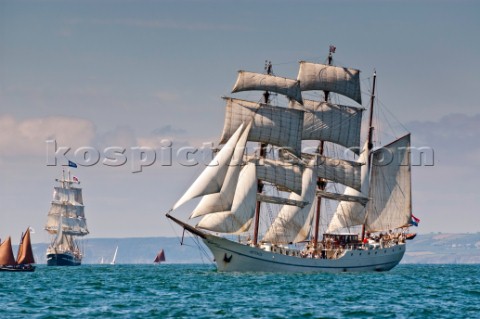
{"points": [[25, 259], [160, 257], [114, 257]]}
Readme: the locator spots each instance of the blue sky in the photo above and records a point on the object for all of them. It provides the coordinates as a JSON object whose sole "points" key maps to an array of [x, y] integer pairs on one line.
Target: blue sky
{"points": [[132, 73]]}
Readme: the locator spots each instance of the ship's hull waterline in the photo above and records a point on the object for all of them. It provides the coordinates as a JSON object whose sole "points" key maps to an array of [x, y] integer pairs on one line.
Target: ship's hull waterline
{"points": [[18, 268], [64, 259], [235, 257]]}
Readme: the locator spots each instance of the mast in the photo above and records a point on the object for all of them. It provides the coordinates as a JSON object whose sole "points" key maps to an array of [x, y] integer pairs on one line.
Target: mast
{"points": [[370, 136], [266, 100], [321, 184]]}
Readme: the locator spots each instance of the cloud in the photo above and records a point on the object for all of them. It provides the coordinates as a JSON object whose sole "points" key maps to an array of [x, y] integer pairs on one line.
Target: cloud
{"points": [[122, 136], [29, 136], [454, 138], [169, 130]]}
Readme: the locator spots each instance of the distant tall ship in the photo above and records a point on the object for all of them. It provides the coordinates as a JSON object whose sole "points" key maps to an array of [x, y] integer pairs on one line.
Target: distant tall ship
{"points": [[25, 260], [262, 209], [66, 221]]}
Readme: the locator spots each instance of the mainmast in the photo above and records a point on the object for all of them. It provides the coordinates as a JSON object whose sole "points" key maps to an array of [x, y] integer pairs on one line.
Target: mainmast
{"points": [[370, 137], [266, 100], [321, 183]]}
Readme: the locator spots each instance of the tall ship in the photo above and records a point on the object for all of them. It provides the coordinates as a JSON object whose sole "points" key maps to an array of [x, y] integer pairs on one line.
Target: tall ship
{"points": [[66, 221], [303, 187], [25, 260]]}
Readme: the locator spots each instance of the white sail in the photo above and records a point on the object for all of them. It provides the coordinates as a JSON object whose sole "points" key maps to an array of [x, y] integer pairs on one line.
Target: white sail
{"points": [[114, 259], [239, 218], [294, 184], [251, 81], [67, 210], [293, 223], [271, 125], [211, 179], [223, 200], [324, 121], [286, 176], [71, 195], [280, 200], [344, 81], [350, 213], [340, 171], [390, 187], [343, 197], [70, 218]]}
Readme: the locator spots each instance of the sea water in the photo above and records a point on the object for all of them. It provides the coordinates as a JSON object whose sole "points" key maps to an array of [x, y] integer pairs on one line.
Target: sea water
{"points": [[199, 291]]}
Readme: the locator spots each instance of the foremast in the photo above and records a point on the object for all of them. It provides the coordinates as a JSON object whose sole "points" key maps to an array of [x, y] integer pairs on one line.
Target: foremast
{"points": [[263, 146], [321, 184]]}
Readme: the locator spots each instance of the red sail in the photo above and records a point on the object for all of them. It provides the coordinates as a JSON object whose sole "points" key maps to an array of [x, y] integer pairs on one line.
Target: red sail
{"points": [[25, 253], [160, 257], [6, 253]]}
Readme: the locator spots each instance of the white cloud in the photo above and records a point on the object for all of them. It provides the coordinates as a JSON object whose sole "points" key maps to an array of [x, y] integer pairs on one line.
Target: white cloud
{"points": [[29, 136]]}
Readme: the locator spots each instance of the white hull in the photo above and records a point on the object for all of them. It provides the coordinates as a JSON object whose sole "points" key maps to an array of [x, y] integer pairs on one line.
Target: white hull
{"points": [[233, 256]]}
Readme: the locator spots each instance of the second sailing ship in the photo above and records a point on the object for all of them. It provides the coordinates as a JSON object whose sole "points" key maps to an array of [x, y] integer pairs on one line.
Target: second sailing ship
{"points": [[66, 221]]}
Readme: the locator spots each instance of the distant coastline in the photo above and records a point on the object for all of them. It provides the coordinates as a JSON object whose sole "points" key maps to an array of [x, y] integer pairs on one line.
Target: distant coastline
{"points": [[433, 248]]}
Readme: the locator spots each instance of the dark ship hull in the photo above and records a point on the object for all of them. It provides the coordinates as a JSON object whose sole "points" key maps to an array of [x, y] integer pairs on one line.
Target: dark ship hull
{"points": [[20, 268], [63, 259]]}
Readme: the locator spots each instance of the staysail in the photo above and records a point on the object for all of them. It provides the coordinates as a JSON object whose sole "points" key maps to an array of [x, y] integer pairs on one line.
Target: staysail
{"points": [[239, 218], [222, 201], [212, 178]]}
